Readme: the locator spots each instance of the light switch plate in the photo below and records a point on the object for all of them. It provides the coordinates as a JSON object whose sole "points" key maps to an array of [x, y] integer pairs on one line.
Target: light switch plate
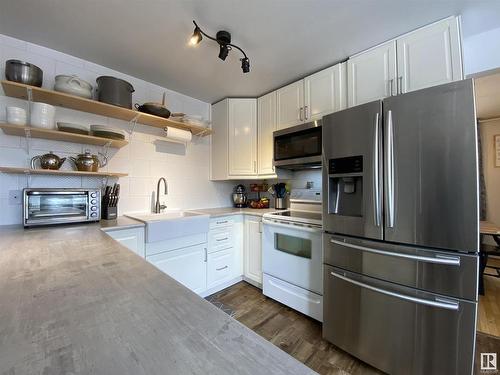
{"points": [[15, 197]]}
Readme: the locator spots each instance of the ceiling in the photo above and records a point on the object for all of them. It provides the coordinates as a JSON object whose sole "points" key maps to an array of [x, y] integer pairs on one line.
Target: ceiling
{"points": [[285, 39]]}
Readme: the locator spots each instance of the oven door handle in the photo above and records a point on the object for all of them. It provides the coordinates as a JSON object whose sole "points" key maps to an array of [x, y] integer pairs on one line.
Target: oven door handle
{"points": [[439, 259], [449, 305], [56, 193], [291, 226]]}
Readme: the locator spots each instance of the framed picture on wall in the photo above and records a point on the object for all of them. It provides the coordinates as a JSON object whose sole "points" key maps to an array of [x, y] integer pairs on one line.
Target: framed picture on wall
{"points": [[497, 150]]}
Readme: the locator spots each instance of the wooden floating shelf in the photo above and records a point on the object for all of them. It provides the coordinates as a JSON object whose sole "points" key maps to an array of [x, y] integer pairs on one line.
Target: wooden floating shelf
{"points": [[60, 99], [59, 172], [57, 135]]}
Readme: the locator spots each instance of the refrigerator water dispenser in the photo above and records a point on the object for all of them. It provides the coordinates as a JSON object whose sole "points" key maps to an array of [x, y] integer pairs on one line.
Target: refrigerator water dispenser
{"points": [[345, 185]]}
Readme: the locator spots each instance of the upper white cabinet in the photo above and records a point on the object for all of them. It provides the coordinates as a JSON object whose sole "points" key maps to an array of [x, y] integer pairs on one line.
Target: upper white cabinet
{"points": [[425, 57], [266, 108], [325, 92], [290, 100], [242, 137], [234, 142], [312, 97], [429, 56], [372, 74]]}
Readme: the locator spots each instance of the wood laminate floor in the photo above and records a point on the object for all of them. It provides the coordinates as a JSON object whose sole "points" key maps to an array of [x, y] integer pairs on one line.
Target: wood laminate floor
{"points": [[488, 316], [300, 336]]}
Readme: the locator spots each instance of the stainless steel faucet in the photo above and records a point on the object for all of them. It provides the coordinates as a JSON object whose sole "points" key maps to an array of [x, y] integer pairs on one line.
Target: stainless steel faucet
{"points": [[158, 206]]}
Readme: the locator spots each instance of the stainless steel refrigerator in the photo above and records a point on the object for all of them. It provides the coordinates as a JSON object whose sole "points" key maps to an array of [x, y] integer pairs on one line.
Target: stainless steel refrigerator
{"points": [[400, 187]]}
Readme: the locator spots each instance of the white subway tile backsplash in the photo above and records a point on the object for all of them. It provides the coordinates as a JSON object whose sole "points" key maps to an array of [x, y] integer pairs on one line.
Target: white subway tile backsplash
{"points": [[186, 169]]}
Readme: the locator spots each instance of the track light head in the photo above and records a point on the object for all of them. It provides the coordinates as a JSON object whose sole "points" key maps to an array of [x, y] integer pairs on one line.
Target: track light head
{"points": [[224, 51], [196, 37], [245, 65]]}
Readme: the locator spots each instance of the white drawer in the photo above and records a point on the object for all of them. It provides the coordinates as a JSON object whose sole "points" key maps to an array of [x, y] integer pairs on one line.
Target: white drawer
{"points": [[220, 222], [220, 239], [220, 267], [300, 299]]}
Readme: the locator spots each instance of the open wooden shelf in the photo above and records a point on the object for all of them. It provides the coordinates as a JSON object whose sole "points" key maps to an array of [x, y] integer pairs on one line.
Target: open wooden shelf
{"points": [[59, 172], [57, 135], [60, 99]]}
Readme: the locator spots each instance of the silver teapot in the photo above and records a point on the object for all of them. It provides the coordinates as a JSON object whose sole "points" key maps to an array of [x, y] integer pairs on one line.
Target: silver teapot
{"points": [[89, 163], [48, 161]]}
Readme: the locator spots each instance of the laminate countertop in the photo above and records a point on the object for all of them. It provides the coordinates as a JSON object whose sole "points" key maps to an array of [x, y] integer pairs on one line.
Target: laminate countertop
{"points": [[227, 211], [74, 301]]}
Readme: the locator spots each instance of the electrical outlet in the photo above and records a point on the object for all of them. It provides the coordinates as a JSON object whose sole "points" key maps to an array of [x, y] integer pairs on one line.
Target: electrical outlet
{"points": [[15, 197]]}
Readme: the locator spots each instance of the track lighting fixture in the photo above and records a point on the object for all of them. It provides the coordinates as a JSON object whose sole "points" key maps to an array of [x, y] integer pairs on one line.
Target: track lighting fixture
{"points": [[224, 39]]}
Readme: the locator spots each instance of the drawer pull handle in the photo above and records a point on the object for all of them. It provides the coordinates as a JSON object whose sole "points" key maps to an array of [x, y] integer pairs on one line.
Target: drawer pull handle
{"points": [[222, 239], [439, 259], [222, 268], [222, 222]]}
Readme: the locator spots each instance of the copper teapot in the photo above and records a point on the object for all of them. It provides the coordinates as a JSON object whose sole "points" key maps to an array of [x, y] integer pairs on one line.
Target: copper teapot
{"points": [[48, 161], [87, 162]]}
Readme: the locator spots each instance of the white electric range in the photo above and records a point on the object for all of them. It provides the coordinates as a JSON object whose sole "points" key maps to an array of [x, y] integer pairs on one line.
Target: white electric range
{"points": [[292, 254]]}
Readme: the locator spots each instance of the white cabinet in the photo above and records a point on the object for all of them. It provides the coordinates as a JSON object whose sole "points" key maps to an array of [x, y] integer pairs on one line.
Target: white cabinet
{"points": [[187, 265], [132, 238], [253, 250], [429, 56], [220, 267], [290, 105], [372, 74], [234, 142], [325, 92], [242, 137], [313, 97], [423, 58], [266, 108]]}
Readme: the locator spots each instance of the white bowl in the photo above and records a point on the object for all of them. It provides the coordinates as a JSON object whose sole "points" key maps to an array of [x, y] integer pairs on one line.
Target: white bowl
{"points": [[42, 115], [16, 115]]}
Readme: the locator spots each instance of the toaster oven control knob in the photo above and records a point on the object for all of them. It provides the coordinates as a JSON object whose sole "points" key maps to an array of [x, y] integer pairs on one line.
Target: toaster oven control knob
{"points": [[93, 208], [93, 214], [93, 201], [93, 195]]}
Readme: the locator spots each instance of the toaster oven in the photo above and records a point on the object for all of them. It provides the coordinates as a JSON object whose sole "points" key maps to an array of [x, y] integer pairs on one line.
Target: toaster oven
{"points": [[45, 206]]}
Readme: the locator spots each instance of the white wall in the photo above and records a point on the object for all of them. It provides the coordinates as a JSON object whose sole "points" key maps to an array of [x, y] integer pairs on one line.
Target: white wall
{"points": [[187, 171], [482, 52]]}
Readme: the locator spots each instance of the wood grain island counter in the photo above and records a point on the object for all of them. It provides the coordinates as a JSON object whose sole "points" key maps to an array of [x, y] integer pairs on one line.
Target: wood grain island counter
{"points": [[74, 301]]}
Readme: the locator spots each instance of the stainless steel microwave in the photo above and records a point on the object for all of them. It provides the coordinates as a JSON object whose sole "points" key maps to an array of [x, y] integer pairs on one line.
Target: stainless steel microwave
{"points": [[43, 206], [298, 147]]}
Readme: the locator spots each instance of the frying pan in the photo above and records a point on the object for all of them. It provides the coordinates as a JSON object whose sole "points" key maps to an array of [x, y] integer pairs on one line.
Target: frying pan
{"points": [[153, 108]]}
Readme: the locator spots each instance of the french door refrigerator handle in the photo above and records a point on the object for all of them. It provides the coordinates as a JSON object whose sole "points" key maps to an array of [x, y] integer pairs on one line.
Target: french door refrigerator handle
{"points": [[439, 259], [390, 170], [376, 175], [443, 305]]}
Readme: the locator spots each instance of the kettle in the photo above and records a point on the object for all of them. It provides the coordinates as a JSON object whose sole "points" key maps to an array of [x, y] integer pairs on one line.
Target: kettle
{"points": [[89, 163], [48, 161], [239, 196]]}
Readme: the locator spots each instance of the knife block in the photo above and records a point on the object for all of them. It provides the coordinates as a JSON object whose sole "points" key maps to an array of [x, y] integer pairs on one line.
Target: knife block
{"points": [[109, 212]]}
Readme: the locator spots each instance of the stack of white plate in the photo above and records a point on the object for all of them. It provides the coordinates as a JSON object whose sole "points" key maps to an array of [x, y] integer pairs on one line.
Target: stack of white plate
{"points": [[105, 131]]}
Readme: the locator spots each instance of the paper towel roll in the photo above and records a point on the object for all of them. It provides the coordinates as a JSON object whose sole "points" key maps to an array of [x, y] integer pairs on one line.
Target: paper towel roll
{"points": [[178, 135]]}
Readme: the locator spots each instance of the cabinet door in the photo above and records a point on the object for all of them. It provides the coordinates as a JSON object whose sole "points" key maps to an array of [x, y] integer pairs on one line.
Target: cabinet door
{"points": [[187, 265], [253, 250], [266, 107], [290, 102], [219, 141], [429, 56], [325, 92], [220, 267], [372, 74], [132, 239], [242, 139]]}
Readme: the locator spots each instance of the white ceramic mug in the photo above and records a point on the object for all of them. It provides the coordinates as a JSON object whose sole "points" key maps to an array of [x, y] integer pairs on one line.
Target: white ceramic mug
{"points": [[42, 115], [16, 115]]}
